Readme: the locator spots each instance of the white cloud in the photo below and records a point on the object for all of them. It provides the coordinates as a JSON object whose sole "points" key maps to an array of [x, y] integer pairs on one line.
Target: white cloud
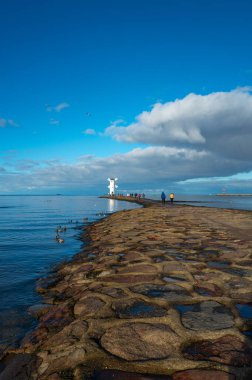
{"points": [[58, 108], [89, 131], [219, 122], [7, 122]]}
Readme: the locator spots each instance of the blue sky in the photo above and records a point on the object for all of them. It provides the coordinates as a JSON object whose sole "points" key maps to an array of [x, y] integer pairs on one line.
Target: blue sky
{"points": [[150, 91]]}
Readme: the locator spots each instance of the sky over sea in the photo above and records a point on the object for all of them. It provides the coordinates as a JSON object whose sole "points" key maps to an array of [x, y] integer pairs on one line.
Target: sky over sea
{"points": [[155, 92]]}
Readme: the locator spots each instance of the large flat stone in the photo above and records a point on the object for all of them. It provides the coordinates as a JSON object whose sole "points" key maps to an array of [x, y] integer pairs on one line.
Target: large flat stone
{"points": [[136, 308], [169, 291], [208, 315], [88, 306], [139, 341], [208, 289]]}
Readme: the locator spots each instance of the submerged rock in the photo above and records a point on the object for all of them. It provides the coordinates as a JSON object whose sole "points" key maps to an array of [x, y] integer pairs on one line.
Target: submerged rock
{"points": [[18, 367]]}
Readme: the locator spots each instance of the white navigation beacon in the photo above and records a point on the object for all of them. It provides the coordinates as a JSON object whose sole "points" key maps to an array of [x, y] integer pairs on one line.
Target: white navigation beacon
{"points": [[112, 185]]}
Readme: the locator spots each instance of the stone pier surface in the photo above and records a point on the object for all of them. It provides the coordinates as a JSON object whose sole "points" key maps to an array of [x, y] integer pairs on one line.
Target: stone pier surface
{"points": [[159, 292]]}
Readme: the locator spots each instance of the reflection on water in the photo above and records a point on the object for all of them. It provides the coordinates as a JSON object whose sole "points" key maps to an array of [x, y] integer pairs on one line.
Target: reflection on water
{"points": [[111, 205]]}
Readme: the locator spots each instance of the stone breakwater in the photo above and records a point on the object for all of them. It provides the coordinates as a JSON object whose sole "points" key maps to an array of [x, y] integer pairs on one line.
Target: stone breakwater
{"points": [[158, 293]]}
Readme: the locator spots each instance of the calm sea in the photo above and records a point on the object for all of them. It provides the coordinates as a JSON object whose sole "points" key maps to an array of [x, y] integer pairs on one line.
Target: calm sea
{"points": [[29, 250], [231, 202]]}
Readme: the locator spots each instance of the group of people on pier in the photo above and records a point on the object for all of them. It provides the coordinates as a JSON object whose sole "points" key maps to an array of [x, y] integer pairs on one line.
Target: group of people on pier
{"points": [[163, 197]]}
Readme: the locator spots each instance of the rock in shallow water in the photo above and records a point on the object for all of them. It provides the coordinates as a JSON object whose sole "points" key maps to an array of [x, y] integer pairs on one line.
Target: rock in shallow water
{"points": [[139, 341], [20, 367]]}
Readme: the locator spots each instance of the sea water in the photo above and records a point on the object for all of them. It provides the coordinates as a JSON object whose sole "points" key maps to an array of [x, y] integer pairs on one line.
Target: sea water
{"points": [[29, 250], [235, 202]]}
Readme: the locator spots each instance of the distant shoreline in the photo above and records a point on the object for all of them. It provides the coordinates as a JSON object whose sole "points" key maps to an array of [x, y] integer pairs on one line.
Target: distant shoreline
{"points": [[234, 195]]}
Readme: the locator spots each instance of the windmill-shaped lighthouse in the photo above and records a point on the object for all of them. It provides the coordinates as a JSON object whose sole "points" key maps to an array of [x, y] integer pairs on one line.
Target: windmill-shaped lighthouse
{"points": [[112, 185]]}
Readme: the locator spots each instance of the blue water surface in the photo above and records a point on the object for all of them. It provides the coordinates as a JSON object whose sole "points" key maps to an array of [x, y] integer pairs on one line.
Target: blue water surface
{"points": [[29, 250]]}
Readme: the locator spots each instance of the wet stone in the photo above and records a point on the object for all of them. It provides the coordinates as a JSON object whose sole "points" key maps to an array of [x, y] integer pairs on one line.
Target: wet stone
{"points": [[57, 318], [143, 268], [158, 259], [109, 374], [241, 295], [238, 272], [173, 268], [174, 278], [43, 284], [88, 306], [169, 291], [91, 256], [38, 310], [236, 284], [139, 341], [245, 263], [228, 350], [207, 315], [200, 374], [208, 254], [137, 309], [18, 367], [113, 292], [218, 264], [208, 290], [128, 279]]}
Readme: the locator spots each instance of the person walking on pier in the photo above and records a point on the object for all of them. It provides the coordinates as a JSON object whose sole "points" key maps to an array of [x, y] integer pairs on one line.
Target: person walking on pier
{"points": [[171, 197], [163, 197]]}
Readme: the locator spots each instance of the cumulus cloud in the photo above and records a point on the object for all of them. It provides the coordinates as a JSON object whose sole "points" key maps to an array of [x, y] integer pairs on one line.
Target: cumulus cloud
{"points": [[219, 122], [7, 122], [58, 108], [89, 131]]}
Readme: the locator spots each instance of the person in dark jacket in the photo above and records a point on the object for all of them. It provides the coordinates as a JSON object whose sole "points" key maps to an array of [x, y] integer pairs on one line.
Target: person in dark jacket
{"points": [[163, 197]]}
